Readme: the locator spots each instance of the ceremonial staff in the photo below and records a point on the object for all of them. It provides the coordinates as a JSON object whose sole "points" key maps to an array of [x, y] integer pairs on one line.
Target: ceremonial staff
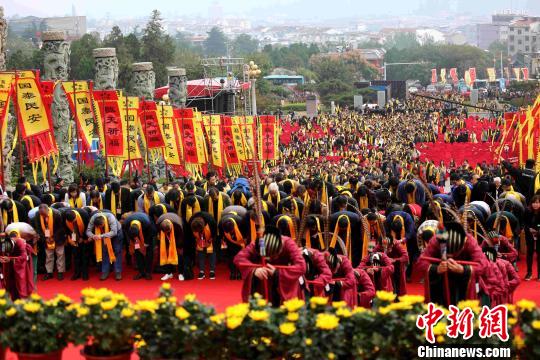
{"points": [[76, 127], [127, 136], [146, 136], [19, 136]]}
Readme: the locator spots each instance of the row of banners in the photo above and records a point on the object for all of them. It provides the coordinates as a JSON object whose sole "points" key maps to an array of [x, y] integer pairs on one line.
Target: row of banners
{"points": [[186, 139], [470, 75]]}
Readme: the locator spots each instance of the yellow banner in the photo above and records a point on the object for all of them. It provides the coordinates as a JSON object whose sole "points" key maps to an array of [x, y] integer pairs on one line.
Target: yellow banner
{"points": [[81, 104], [237, 138], [34, 117], [248, 136], [491, 74], [214, 134], [6, 80], [131, 125], [169, 131], [517, 73], [200, 142], [443, 76], [468, 80]]}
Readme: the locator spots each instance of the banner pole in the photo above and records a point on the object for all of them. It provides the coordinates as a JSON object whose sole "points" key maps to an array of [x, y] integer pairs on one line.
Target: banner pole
{"points": [[163, 127], [103, 122], [76, 127], [21, 165], [127, 136], [146, 137], [2, 152]]}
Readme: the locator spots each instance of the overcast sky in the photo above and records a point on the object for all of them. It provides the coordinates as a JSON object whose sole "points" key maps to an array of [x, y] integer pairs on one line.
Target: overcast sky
{"points": [[302, 9]]}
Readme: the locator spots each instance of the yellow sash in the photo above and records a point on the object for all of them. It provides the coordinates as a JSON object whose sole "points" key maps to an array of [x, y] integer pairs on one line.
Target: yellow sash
{"points": [[335, 235], [77, 203], [108, 243], [191, 210], [71, 226], [253, 228], [50, 226], [15, 212], [237, 234], [204, 240], [113, 201], [29, 199], [290, 225], [140, 239], [319, 235], [147, 202], [167, 257]]}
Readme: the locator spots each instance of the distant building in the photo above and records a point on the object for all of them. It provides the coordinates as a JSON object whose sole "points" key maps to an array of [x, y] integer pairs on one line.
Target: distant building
{"points": [[31, 26], [375, 57], [524, 36], [497, 30], [285, 79]]}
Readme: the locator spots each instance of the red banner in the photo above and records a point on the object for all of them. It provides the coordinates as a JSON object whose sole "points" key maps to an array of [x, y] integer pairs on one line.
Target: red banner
{"points": [[107, 100], [188, 136], [472, 72], [150, 125], [454, 76], [268, 133], [229, 148], [525, 73], [433, 76]]}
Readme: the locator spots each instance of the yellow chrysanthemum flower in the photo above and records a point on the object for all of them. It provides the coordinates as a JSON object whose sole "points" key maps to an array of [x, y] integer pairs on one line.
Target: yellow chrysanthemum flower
{"points": [[166, 286], [261, 302], [108, 305], [32, 307], [234, 322], [182, 313], [358, 310], [35, 297], [326, 321], [11, 311], [82, 311], [139, 344], [91, 301], [293, 316], [384, 310], [127, 312], [339, 304], [259, 315], [411, 299], [63, 298], [536, 324], [519, 343], [266, 340], [2, 292], [287, 328], [193, 328], [439, 329], [440, 339], [331, 356], [318, 301], [293, 305], [385, 295], [308, 341], [3, 302], [239, 310], [147, 306], [217, 319], [526, 305], [344, 312], [512, 321], [190, 297]]}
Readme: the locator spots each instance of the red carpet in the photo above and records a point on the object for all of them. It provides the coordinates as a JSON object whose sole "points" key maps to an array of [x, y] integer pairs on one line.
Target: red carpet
{"points": [[220, 293]]}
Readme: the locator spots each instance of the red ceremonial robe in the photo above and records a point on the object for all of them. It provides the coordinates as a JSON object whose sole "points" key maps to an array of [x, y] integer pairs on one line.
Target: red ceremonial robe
{"points": [[506, 250], [493, 284], [511, 279], [398, 253], [365, 288], [320, 273], [381, 279], [19, 273], [471, 251], [345, 273], [287, 286]]}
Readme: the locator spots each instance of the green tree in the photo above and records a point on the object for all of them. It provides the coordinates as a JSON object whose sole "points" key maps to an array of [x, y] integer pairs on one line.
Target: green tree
{"points": [[215, 43], [127, 52], [82, 60], [157, 47], [244, 44]]}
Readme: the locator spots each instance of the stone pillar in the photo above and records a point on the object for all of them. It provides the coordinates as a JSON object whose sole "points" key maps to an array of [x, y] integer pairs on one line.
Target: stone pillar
{"points": [[56, 54], [144, 80], [3, 38], [106, 68], [11, 124], [177, 87]]}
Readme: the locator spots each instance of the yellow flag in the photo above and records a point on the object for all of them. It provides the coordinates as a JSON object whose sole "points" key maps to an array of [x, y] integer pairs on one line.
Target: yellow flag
{"points": [[81, 101], [443, 76], [517, 73], [214, 135], [200, 143], [468, 80], [6, 80], [491, 74], [237, 138], [169, 131]]}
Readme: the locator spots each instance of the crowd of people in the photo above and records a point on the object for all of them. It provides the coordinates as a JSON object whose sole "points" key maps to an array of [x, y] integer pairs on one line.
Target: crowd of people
{"points": [[344, 214]]}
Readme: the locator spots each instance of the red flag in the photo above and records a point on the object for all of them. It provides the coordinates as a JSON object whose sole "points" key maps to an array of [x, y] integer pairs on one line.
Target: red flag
{"points": [[188, 136], [150, 125], [268, 137], [228, 142], [472, 72], [107, 100], [433, 76], [525, 73], [454, 76]]}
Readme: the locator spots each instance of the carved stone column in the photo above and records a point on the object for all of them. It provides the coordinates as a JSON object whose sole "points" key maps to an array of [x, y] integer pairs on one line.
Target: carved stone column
{"points": [[177, 87], [11, 124], [144, 80], [106, 68], [3, 39], [56, 54]]}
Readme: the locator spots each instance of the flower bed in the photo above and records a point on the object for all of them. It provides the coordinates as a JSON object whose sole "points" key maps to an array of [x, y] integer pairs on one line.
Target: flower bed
{"points": [[108, 324]]}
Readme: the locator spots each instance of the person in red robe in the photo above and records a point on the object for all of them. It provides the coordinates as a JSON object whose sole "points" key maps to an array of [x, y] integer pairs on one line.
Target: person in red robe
{"points": [[318, 276], [509, 278], [505, 250], [17, 274], [451, 245], [364, 288], [492, 284], [343, 286], [399, 257], [282, 283], [379, 267]]}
